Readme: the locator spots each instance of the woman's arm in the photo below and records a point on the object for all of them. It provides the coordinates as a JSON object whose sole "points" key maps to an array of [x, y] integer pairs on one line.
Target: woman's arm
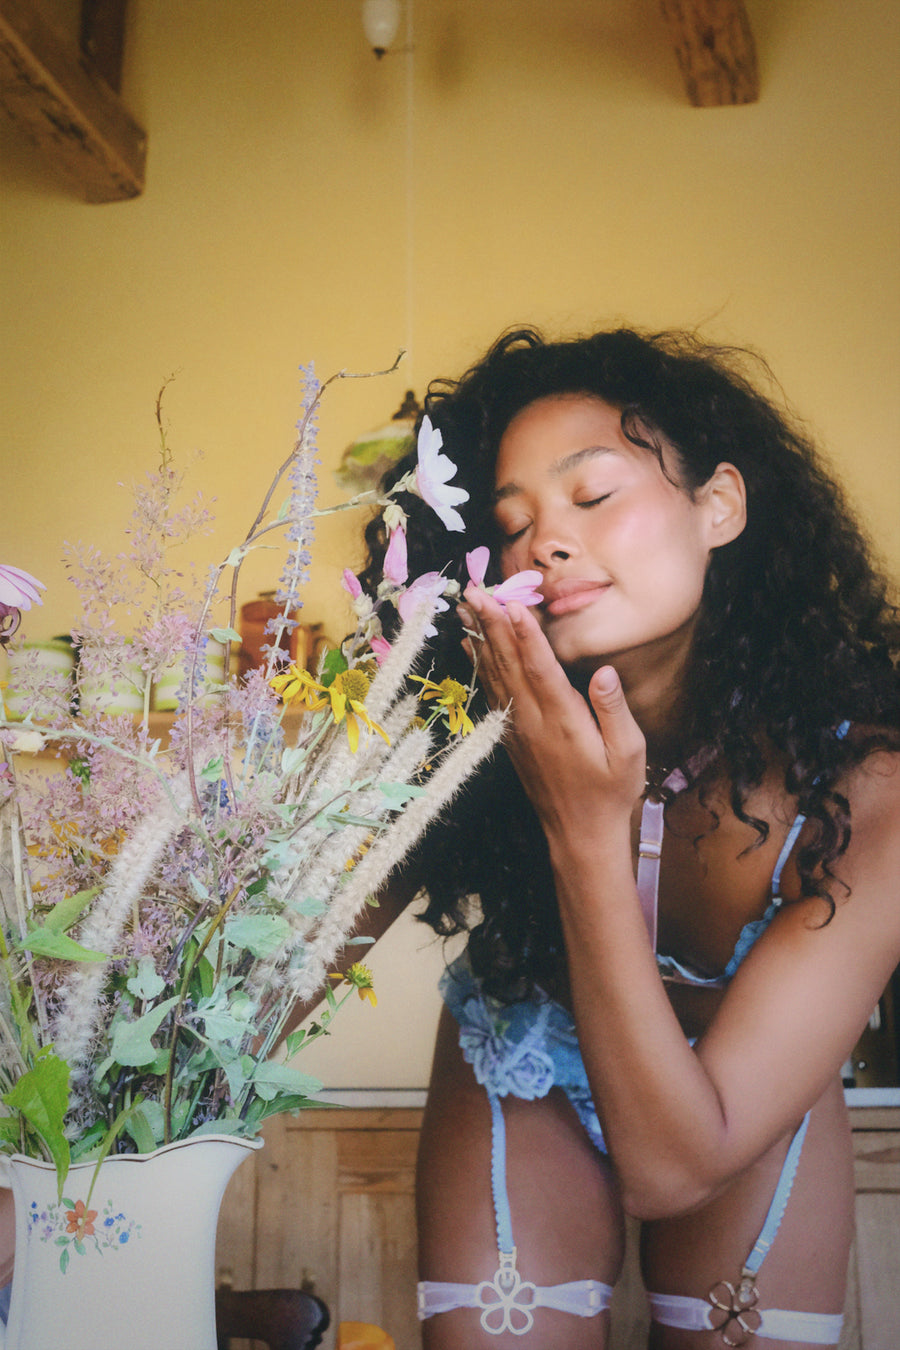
{"points": [[682, 1122]]}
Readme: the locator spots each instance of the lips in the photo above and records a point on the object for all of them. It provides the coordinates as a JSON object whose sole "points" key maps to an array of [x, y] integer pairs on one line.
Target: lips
{"points": [[566, 596]]}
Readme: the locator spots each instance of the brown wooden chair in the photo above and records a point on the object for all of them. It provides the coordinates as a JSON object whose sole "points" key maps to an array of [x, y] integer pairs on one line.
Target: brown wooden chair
{"points": [[284, 1319]]}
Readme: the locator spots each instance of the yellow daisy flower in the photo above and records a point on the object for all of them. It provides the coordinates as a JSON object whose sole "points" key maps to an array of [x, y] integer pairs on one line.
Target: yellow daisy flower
{"points": [[360, 977], [345, 694], [296, 685], [452, 697]]}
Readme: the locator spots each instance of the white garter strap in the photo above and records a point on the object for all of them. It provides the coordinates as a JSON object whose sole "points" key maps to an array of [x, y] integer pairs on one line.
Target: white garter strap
{"points": [[507, 1302], [777, 1324]]}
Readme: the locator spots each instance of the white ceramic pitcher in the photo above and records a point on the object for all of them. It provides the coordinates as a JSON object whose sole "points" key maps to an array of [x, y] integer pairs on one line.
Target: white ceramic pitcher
{"points": [[128, 1264]]}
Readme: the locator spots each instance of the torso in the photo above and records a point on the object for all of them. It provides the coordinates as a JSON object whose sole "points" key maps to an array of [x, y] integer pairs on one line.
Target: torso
{"points": [[714, 879]]}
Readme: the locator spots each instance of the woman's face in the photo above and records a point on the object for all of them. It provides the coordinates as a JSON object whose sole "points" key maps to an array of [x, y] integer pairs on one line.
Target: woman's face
{"points": [[622, 549]]}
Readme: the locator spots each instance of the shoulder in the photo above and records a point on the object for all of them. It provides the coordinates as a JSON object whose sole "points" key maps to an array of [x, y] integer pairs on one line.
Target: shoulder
{"points": [[872, 790]]}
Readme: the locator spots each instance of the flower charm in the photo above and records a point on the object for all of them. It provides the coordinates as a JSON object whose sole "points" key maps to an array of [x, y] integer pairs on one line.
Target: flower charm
{"points": [[741, 1320], [521, 587], [507, 1300], [433, 473]]}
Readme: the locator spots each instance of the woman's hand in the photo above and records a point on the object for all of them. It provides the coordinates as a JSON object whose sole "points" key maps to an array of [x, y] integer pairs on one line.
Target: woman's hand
{"points": [[577, 766]]}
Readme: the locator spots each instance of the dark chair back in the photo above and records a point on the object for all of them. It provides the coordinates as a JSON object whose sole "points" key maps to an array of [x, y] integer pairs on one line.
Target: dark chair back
{"points": [[285, 1319]]}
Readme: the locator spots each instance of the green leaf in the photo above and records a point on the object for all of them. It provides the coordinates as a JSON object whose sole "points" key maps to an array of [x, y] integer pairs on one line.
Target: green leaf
{"points": [[65, 912], [90, 1139], [138, 1126], [398, 794], [49, 942], [206, 976], [260, 1109], [294, 1042], [224, 635], [64, 1259], [212, 772], [42, 1096], [311, 907], [358, 941], [345, 818], [259, 934], [131, 1044], [284, 1078], [292, 759], [146, 983], [335, 663]]}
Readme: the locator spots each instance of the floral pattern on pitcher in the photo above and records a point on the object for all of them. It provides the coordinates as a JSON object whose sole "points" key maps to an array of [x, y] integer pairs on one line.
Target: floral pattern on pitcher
{"points": [[74, 1227]]}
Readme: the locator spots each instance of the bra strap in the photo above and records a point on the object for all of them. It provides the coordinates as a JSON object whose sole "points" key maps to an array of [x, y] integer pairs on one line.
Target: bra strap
{"points": [[650, 851]]}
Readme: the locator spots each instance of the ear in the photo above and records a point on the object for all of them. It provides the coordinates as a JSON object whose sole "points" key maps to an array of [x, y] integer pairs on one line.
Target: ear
{"points": [[725, 503]]}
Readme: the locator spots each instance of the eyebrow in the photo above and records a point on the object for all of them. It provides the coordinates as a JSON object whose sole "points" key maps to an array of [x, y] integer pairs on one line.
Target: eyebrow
{"points": [[558, 468]]}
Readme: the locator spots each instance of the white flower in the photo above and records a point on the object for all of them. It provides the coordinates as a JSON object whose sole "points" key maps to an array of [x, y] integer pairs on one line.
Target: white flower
{"points": [[20, 589], [433, 474]]}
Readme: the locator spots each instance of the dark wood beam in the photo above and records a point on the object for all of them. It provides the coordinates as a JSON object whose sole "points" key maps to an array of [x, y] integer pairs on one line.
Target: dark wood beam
{"points": [[56, 96], [715, 50], [103, 38]]}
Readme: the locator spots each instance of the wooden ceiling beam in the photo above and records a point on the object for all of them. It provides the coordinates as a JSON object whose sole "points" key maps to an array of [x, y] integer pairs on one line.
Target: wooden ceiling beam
{"points": [[715, 50], [56, 95]]}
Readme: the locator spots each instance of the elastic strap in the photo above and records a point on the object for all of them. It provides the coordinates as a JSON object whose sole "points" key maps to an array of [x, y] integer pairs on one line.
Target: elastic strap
{"points": [[779, 1200], [777, 1324], [505, 1243]]}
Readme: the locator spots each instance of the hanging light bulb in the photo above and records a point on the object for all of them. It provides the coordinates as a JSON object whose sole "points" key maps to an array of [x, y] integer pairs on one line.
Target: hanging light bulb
{"points": [[381, 19]]}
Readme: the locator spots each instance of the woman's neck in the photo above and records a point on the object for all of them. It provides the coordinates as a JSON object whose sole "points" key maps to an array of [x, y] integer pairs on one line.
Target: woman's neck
{"points": [[654, 686]]}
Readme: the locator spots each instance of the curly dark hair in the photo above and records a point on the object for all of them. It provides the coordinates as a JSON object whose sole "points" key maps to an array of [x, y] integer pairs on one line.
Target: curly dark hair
{"points": [[796, 633]]}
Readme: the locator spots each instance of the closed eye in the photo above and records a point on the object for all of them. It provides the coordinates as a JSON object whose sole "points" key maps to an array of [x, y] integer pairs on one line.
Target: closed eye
{"points": [[594, 501]]}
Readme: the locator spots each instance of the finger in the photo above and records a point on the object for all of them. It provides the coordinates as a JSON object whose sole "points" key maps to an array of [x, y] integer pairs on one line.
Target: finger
{"points": [[537, 658], [481, 652], [623, 738]]}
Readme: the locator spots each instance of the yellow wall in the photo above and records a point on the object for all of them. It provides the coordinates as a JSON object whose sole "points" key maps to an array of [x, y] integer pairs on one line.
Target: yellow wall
{"points": [[558, 175]]}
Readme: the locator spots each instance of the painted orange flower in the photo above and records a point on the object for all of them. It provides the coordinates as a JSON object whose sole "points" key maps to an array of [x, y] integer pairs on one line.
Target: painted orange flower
{"points": [[80, 1221]]}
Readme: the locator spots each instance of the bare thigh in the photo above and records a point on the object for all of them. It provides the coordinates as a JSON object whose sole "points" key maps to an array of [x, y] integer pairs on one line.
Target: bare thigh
{"points": [[566, 1217], [806, 1267]]}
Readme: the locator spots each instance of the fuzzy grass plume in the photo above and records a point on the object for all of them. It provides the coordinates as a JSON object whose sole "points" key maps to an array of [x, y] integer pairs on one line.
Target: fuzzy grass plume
{"points": [[162, 909]]}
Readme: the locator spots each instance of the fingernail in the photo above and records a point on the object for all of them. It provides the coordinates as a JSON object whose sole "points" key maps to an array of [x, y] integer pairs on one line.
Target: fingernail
{"points": [[466, 615]]}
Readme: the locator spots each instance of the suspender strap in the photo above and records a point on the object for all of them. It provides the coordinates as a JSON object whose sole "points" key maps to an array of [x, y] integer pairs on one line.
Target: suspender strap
{"points": [[505, 1244], [779, 1201]]}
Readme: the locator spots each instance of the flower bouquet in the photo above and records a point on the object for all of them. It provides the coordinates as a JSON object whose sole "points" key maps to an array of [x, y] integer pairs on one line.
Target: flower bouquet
{"points": [[164, 909]]}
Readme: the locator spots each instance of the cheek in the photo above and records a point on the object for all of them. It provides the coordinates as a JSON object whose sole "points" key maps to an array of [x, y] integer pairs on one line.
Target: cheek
{"points": [[512, 559]]}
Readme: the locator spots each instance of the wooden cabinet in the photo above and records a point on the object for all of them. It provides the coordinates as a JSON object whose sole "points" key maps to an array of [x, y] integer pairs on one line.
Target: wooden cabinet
{"points": [[872, 1317], [329, 1202]]}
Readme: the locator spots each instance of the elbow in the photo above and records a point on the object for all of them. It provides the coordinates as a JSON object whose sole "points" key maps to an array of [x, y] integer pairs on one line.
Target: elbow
{"points": [[665, 1193]]}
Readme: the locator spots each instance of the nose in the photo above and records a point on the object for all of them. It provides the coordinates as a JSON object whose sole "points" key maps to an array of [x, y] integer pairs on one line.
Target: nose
{"points": [[551, 543]]}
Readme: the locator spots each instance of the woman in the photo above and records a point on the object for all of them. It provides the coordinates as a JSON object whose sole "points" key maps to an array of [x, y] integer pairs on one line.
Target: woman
{"points": [[683, 865]]}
